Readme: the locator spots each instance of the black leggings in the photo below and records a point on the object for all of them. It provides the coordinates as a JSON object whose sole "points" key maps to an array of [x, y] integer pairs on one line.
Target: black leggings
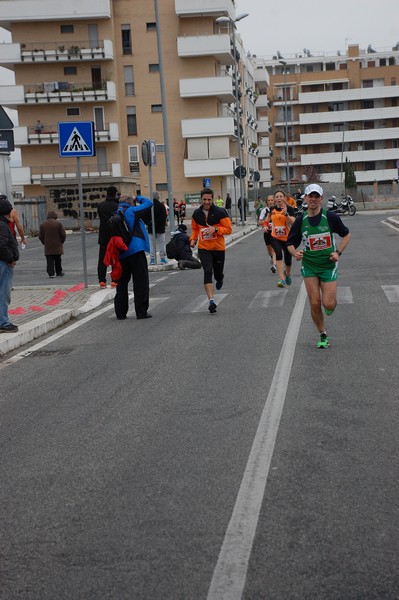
{"points": [[212, 262], [280, 248]]}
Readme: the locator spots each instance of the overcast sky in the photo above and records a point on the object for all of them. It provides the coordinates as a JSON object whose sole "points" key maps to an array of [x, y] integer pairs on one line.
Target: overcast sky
{"points": [[319, 25]]}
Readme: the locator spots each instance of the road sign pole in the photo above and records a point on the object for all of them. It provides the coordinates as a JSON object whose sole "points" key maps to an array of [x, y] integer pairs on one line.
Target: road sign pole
{"points": [[82, 221], [154, 237]]}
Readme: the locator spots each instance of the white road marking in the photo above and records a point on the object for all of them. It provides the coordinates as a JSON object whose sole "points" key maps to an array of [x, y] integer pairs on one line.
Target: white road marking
{"points": [[344, 295], [231, 569], [269, 298], [391, 292], [200, 303]]}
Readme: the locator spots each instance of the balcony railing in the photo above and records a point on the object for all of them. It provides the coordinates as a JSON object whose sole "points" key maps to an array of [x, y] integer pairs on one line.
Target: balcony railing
{"points": [[68, 51], [65, 91], [68, 171], [48, 134]]}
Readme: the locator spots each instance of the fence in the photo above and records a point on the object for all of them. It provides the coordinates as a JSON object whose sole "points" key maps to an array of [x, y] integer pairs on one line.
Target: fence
{"points": [[32, 212]]}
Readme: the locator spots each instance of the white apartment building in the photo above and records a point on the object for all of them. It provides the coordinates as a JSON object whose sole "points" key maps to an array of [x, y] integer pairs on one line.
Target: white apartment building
{"points": [[334, 108], [98, 61]]}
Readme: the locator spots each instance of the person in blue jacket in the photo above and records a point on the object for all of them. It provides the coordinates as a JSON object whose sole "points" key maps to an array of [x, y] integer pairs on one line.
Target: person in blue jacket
{"points": [[133, 260]]}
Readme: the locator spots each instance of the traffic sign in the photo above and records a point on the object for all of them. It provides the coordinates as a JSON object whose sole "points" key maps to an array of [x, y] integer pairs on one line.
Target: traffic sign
{"points": [[256, 176], [76, 139], [6, 140], [206, 182], [5, 121], [240, 172]]}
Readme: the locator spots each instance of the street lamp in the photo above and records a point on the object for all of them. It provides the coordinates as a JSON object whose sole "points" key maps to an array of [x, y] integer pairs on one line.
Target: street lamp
{"points": [[232, 22], [284, 63]]}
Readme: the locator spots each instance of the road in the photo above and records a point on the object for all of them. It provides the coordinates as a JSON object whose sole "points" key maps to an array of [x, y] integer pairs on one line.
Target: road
{"points": [[195, 456]]}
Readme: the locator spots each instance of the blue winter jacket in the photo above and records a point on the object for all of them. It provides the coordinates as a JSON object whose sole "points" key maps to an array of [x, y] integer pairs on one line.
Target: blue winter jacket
{"points": [[132, 214]]}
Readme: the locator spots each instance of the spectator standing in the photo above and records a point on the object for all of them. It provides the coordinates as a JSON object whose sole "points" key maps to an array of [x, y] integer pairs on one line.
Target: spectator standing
{"points": [[209, 225], [134, 261], [52, 235], [228, 205], [182, 211], [15, 224], [105, 210], [8, 257], [160, 216], [219, 201]]}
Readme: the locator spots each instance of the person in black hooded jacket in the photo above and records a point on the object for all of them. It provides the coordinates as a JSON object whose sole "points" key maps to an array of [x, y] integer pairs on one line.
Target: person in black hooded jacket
{"points": [[185, 259], [8, 256], [105, 210]]}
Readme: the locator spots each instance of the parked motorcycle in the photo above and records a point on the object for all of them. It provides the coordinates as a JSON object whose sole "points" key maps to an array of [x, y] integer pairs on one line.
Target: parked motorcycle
{"points": [[301, 206], [346, 206]]}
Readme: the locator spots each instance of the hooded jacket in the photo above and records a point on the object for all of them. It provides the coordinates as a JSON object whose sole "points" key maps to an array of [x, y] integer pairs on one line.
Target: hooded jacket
{"points": [[52, 235], [105, 210], [8, 246], [216, 217], [140, 241]]}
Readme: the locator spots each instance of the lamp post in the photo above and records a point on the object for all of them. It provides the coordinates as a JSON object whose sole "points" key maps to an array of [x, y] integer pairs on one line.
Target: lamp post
{"points": [[232, 23], [287, 161]]}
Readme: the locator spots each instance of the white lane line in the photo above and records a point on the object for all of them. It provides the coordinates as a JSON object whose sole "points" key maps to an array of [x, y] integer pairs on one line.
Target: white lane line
{"points": [[200, 303], [344, 295], [391, 292], [269, 299], [231, 569]]}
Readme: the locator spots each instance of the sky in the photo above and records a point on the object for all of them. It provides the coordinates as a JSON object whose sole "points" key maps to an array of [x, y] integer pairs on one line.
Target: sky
{"points": [[319, 25]]}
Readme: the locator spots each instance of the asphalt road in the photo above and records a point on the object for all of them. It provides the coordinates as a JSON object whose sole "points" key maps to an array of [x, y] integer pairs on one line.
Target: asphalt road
{"points": [[130, 448]]}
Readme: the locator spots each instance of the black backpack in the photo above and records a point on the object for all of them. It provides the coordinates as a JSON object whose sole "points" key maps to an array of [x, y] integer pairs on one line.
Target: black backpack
{"points": [[118, 226], [172, 250]]}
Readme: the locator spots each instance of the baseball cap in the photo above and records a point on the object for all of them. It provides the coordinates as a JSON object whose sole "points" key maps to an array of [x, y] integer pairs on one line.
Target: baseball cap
{"points": [[313, 187]]}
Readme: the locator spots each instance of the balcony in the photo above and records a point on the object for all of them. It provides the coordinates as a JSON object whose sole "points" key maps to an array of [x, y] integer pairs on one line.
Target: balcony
{"points": [[24, 136], [209, 167], [348, 95], [218, 46], [345, 116], [47, 52], [358, 135], [62, 173], [64, 91], [206, 87], [205, 8], [365, 176], [263, 101], [355, 156], [264, 126], [19, 11], [214, 127]]}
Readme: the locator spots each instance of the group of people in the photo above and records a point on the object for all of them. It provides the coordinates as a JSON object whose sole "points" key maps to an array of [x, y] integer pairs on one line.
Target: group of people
{"points": [[283, 235]]}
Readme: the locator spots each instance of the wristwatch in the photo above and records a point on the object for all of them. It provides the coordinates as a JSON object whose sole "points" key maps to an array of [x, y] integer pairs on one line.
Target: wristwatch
{"points": [[216, 229], [339, 252]]}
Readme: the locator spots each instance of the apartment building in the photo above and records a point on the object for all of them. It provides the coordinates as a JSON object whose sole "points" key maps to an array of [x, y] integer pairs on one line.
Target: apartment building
{"points": [[329, 108], [98, 61]]}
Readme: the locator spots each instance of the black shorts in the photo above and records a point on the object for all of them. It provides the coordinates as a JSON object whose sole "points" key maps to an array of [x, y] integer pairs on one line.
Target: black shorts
{"points": [[280, 249], [267, 236]]}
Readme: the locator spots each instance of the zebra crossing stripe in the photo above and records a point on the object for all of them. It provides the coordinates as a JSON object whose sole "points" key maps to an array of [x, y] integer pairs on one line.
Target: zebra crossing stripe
{"points": [[200, 303], [391, 292], [269, 298], [344, 295]]}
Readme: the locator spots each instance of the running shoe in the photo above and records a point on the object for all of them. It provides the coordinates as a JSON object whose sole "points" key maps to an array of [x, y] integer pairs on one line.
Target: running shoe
{"points": [[287, 278], [152, 261], [164, 261], [114, 284], [329, 311], [103, 284], [323, 341], [273, 269], [212, 307], [219, 284], [281, 283]]}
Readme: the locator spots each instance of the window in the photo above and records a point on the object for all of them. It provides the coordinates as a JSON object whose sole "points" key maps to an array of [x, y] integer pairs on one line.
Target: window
{"points": [[126, 39], [151, 26], [153, 68], [368, 104], [383, 62], [129, 80], [162, 187], [368, 83], [73, 111], [131, 120], [70, 71], [369, 145], [330, 66], [369, 166], [393, 80], [66, 28], [134, 163], [155, 108]]}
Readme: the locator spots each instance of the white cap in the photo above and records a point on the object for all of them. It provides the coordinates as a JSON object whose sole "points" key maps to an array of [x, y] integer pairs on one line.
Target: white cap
{"points": [[313, 187]]}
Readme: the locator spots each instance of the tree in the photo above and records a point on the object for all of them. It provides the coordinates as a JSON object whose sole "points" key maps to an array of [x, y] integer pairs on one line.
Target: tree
{"points": [[310, 174], [350, 177]]}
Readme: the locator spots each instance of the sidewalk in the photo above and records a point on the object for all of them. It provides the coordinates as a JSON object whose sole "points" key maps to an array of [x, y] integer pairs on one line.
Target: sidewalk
{"points": [[38, 310]]}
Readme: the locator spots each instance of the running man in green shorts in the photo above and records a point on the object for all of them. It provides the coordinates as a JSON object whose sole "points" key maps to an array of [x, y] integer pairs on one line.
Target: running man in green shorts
{"points": [[320, 256]]}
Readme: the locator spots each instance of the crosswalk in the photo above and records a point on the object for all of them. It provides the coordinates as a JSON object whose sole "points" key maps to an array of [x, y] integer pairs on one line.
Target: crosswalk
{"points": [[275, 298]]}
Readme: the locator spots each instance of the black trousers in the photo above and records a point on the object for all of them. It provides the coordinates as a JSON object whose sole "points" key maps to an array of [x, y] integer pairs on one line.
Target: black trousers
{"points": [[101, 268], [213, 263], [53, 264], [133, 266]]}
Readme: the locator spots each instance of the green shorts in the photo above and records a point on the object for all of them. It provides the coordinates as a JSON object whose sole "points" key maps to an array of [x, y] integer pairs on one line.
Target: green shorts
{"points": [[324, 275]]}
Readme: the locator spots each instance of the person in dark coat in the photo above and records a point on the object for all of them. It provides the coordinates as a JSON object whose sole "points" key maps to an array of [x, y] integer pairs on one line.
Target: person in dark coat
{"points": [[105, 210], [160, 216], [52, 235], [9, 255], [185, 259]]}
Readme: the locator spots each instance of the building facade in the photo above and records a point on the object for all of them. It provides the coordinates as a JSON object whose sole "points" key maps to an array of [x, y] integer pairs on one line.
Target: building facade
{"points": [[329, 109], [98, 61]]}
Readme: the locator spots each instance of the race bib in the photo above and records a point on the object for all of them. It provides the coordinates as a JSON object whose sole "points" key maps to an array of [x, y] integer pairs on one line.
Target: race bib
{"points": [[320, 241], [205, 235], [280, 231]]}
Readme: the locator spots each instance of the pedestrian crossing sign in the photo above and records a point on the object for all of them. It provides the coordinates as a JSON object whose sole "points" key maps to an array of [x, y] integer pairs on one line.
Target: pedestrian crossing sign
{"points": [[76, 139]]}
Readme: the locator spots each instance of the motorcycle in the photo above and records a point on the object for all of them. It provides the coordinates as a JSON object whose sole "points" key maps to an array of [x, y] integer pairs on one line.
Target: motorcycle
{"points": [[346, 206], [301, 206]]}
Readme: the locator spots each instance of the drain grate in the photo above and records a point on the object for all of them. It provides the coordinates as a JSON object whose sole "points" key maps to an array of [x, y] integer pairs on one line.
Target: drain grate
{"points": [[45, 353]]}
